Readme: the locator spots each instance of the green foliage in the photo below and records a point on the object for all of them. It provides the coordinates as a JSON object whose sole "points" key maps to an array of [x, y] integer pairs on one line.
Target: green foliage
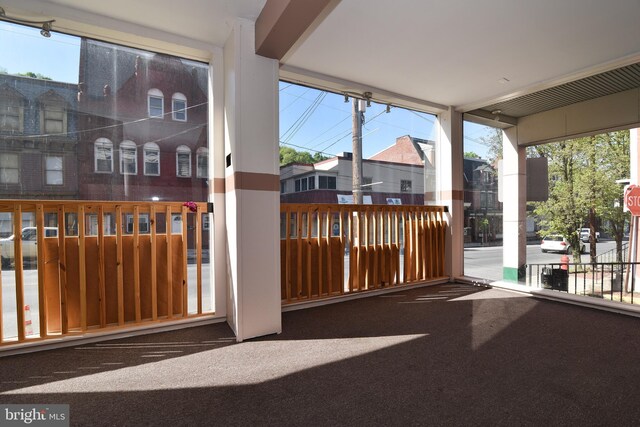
{"points": [[582, 181], [290, 155], [34, 75], [471, 155]]}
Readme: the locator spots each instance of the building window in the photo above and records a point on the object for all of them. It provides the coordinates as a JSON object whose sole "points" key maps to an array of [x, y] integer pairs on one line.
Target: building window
{"points": [[10, 116], [53, 170], [156, 103], [179, 107], [312, 182], [151, 159], [202, 163], [9, 169], [54, 119], [128, 158], [327, 182], [103, 154], [297, 185], [183, 161], [405, 186], [282, 187]]}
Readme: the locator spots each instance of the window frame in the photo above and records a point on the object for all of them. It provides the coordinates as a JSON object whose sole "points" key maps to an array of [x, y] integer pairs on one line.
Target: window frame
{"points": [[106, 143], [155, 94], [47, 170], [202, 152], [178, 97], [15, 167], [146, 149], [182, 150], [128, 145]]}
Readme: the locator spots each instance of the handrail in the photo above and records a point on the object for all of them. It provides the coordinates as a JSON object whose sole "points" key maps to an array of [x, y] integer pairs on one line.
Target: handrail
{"points": [[337, 249], [109, 264]]}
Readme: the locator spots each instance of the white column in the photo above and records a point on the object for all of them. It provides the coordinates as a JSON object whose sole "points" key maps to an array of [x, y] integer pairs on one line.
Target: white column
{"points": [[514, 206], [252, 192], [449, 187], [217, 246]]}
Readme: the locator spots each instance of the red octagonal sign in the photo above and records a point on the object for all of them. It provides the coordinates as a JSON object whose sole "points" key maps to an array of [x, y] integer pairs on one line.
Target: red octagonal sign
{"points": [[632, 199]]}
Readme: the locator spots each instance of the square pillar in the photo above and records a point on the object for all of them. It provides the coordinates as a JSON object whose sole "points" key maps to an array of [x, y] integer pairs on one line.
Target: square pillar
{"points": [[450, 187], [514, 206], [252, 186]]}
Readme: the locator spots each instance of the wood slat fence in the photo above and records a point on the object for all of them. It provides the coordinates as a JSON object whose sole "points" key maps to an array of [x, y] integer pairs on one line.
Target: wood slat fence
{"points": [[331, 249], [100, 265]]}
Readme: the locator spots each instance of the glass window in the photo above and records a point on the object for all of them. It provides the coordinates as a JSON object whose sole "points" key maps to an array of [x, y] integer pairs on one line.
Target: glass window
{"points": [[183, 162], [54, 119], [151, 159], [405, 186], [303, 184], [327, 182], [10, 116], [282, 187], [54, 170], [312, 182], [202, 162], [297, 186], [128, 158], [156, 103], [179, 105], [9, 168], [103, 153]]}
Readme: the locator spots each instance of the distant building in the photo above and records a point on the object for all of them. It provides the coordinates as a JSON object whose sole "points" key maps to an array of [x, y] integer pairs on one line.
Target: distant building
{"points": [[38, 139], [330, 180], [143, 124], [38, 143]]}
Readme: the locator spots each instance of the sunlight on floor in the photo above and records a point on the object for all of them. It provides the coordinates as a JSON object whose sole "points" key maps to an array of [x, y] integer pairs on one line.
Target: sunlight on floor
{"points": [[243, 364]]}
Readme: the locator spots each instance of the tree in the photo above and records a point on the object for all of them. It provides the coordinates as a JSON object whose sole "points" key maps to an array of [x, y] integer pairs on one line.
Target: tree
{"points": [[34, 75], [582, 187], [290, 155], [471, 155]]}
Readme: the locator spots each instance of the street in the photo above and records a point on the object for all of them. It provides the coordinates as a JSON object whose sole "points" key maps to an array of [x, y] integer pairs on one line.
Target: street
{"points": [[486, 262]]}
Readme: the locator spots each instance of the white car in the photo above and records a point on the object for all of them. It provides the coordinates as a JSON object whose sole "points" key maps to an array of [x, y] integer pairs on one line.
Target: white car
{"points": [[584, 234], [557, 243], [29, 245]]}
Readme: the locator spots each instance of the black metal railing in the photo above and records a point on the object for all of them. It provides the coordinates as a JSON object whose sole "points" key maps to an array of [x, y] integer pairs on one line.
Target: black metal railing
{"points": [[614, 281], [612, 255]]}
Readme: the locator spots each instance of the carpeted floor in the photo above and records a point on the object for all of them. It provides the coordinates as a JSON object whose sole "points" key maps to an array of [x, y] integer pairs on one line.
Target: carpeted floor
{"points": [[442, 355]]}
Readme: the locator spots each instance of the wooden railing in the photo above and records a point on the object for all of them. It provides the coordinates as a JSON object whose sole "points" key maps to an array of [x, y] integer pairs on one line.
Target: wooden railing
{"points": [[99, 265], [329, 250]]}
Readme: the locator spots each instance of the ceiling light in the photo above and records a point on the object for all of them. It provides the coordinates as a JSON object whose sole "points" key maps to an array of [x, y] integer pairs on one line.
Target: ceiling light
{"points": [[46, 30], [46, 24], [496, 112]]}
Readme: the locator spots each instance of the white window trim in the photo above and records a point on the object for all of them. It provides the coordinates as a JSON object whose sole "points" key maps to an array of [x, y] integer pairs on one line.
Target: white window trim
{"points": [[201, 152], [127, 144], [155, 93], [178, 97], [150, 146], [106, 142], [183, 149], [46, 170]]}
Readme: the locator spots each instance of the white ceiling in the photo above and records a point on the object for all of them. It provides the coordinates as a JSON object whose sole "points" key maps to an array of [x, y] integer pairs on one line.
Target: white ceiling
{"points": [[450, 52]]}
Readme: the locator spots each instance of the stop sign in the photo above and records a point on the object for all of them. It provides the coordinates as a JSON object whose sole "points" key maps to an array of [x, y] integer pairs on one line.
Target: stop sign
{"points": [[632, 199]]}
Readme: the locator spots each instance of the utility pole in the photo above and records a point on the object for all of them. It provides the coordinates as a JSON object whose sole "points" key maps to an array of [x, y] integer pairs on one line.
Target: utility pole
{"points": [[356, 162]]}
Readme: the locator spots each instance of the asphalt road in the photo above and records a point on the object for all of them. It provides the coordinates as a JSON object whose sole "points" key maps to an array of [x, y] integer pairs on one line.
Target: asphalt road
{"points": [[486, 262]]}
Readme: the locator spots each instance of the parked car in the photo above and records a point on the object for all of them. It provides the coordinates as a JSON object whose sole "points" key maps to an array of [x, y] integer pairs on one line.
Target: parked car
{"points": [[558, 243], [29, 245], [584, 234]]}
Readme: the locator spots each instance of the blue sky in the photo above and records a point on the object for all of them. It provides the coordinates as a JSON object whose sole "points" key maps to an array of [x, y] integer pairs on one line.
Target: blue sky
{"points": [[309, 119]]}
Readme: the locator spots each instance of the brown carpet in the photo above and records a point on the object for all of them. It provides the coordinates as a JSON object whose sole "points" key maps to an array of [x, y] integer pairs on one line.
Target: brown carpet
{"points": [[443, 355]]}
